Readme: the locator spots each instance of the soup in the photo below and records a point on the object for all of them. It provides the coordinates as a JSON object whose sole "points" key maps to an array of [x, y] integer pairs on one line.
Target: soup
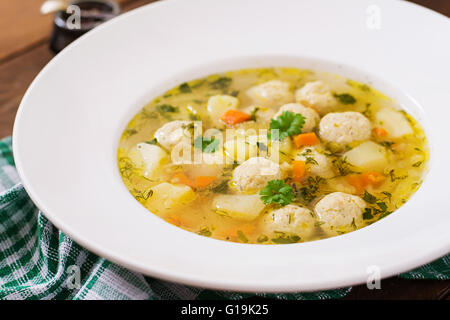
{"points": [[272, 156]]}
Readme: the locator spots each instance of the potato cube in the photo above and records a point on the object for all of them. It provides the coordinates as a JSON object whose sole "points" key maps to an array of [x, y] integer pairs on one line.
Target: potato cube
{"points": [[394, 122], [149, 157], [243, 207], [166, 197], [219, 104], [368, 156]]}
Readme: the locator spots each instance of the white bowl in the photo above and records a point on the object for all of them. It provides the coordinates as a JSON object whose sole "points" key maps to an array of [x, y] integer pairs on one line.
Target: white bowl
{"points": [[69, 123]]}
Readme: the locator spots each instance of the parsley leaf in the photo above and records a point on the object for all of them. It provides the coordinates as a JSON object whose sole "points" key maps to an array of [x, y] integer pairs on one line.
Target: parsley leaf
{"points": [[288, 124], [345, 98], [208, 145], [277, 192]]}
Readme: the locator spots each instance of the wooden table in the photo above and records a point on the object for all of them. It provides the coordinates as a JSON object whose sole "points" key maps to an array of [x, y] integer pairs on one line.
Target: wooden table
{"points": [[24, 52]]}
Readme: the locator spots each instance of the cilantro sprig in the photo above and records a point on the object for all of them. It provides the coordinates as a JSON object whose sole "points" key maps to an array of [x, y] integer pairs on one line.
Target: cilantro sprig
{"points": [[277, 192], [287, 124]]}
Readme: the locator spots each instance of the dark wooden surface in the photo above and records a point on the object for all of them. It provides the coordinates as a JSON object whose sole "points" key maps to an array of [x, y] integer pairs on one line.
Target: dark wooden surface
{"points": [[24, 52]]}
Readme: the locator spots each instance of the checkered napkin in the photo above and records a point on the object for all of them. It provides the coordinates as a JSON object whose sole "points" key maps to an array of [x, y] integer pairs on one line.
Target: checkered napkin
{"points": [[37, 261]]}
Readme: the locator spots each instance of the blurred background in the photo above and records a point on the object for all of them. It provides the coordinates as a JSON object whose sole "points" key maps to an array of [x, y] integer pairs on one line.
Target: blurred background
{"points": [[25, 39]]}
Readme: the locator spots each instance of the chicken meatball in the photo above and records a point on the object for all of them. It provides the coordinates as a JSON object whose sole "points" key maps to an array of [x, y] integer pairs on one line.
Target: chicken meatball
{"points": [[340, 212], [344, 127], [317, 163], [254, 174], [316, 94], [290, 219], [271, 94], [311, 116], [173, 133]]}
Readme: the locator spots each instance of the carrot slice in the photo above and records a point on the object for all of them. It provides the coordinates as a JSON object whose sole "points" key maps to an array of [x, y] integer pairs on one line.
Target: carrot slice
{"points": [[298, 170], [247, 229], [373, 178], [181, 178], [235, 116], [361, 181], [306, 139], [380, 132], [203, 181], [356, 181]]}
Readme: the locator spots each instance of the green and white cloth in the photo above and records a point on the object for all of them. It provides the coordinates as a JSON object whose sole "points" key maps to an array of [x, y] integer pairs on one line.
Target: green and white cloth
{"points": [[37, 261]]}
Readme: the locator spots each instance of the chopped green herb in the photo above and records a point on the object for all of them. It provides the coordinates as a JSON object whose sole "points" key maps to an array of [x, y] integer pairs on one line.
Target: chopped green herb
{"points": [[367, 111], [242, 236], [362, 86], [311, 160], [234, 93], [383, 207], [205, 232], [367, 214], [130, 132], [395, 177], [185, 88], [277, 192], [369, 198], [253, 113], [221, 187], [417, 164], [163, 108], [287, 124], [353, 224], [343, 166], [142, 195], [345, 98], [285, 239], [208, 145], [222, 83], [385, 214], [153, 141], [387, 144], [306, 194], [190, 127], [388, 195], [194, 117], [262, 238]]}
